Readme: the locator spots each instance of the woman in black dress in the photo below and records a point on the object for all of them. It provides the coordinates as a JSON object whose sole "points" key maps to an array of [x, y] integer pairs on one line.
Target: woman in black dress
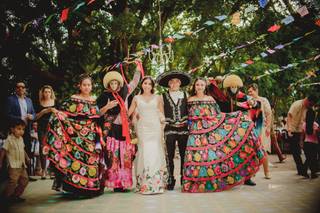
{"points": [[44, 110]]}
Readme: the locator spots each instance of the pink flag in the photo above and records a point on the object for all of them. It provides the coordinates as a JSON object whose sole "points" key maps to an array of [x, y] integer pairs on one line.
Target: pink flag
{"points": [[271, 51], [303, 11], [274, 28], [249, 62]]}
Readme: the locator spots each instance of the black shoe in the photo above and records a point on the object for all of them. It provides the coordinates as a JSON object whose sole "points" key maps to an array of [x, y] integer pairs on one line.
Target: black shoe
{"points": [[15, 200], [305, 175], [249, 182], [121, 190], [31, 179], [171, 183], [313, 176]]}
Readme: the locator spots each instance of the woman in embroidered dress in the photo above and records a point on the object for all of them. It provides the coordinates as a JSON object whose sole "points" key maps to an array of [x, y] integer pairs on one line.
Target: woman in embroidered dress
{"points": [[74, 144], [223, 149], [113, 104], [151, 171]]}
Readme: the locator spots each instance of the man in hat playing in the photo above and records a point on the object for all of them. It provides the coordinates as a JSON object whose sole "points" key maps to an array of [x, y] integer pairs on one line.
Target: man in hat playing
{"points": [[176, 116]]}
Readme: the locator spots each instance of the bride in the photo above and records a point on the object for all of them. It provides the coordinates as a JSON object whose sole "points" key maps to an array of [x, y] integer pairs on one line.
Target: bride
{"points": [[151, 172]]}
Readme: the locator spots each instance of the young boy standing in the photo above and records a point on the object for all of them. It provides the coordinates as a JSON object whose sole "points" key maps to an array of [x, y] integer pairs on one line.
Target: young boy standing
{"points": [[13, 150]]}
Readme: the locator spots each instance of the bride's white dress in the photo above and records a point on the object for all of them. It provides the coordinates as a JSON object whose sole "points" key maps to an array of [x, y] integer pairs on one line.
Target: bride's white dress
{"points": [[151, 171]]}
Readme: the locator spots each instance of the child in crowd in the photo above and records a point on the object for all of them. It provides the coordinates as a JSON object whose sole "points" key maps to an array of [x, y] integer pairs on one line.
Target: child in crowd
{"points": [[35, 150], [13, 150]]}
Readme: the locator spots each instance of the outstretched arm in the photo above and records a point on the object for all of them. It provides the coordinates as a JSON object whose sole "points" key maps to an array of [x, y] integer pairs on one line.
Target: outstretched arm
{"points": [[133, 106], [135, 81]]}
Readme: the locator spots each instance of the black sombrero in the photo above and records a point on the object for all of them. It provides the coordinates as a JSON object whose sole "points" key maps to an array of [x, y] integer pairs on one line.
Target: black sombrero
{"points": [[165, 77]]}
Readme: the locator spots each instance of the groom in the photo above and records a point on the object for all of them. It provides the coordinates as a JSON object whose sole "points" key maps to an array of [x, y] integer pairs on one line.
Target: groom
{"points": [[176, 116]]}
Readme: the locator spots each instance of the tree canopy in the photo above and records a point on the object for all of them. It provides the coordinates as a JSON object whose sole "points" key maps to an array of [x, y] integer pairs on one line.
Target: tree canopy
{"points": [[42, 45]]}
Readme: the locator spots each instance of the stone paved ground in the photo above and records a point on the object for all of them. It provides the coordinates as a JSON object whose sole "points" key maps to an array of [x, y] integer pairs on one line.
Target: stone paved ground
{"points": [[285, 192]]}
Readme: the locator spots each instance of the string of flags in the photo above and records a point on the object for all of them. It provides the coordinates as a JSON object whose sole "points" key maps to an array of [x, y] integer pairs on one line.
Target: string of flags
{"points": [[270, 51], [63, 16], [288, 66], [152, 51], [310, 74], [310, 84]]}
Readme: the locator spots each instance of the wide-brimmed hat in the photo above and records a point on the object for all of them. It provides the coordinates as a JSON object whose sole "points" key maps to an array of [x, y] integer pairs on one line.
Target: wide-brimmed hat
{"points": [[232, 81], [164, 78], [110, 76]]}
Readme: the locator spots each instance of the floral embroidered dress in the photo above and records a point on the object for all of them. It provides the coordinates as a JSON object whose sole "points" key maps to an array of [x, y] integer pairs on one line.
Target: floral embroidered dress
{"points": [[74, 145], [223, 149], [119, 150], [151, 170]]}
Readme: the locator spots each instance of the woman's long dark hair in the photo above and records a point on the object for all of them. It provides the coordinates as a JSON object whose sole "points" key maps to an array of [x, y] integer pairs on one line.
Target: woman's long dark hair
{"points": [[310, 118], [193, 89], [152, 83]]}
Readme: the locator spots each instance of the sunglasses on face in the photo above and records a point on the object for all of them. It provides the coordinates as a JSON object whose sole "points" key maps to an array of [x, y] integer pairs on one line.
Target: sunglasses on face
{"points": [[20, 86]]}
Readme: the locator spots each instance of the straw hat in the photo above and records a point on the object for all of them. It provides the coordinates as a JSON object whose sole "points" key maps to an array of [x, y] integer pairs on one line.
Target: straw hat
{"points": [[110, 76], [232, 81], [165, 77]]}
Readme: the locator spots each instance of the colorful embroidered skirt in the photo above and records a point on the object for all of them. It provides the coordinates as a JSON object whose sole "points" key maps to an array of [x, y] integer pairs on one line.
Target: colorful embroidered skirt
{"points": [[74, 148], [223, 149]]}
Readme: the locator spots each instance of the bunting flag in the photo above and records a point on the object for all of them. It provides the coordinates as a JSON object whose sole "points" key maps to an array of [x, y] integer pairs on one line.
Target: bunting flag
{"points": [[90, 1], [287, 20], [303, 11], [64, 15], [274, 28], [263, 3], [235, 18], [272, 51], [288, 66]]}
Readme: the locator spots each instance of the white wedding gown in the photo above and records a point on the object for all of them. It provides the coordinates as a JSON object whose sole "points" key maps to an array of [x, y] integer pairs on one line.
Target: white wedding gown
{"points": [[151, 171]]}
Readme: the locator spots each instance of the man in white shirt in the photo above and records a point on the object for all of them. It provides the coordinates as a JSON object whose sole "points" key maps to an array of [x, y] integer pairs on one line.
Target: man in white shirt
{"points": [[296, 117]]}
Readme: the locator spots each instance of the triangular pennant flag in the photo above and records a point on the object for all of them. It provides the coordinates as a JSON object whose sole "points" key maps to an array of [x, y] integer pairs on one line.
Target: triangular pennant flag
{"points": [[297, 39], [303, 11], [249, 62], [263, 3], [221, 18], [249, 9], [49, 19], [287, 20], [241, 46], [278, 47], [64, 15], [263, 54], [235, 18], [274, 28], [271, 51], [317, 22], [90, 1], [208, 23], [79, 5], [178, 36]]}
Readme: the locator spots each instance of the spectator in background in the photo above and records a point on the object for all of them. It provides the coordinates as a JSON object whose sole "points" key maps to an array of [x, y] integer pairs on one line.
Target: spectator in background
{"points": [[44, 109], [296, 117], [16, 156], [19, 106], [310, 145]]}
